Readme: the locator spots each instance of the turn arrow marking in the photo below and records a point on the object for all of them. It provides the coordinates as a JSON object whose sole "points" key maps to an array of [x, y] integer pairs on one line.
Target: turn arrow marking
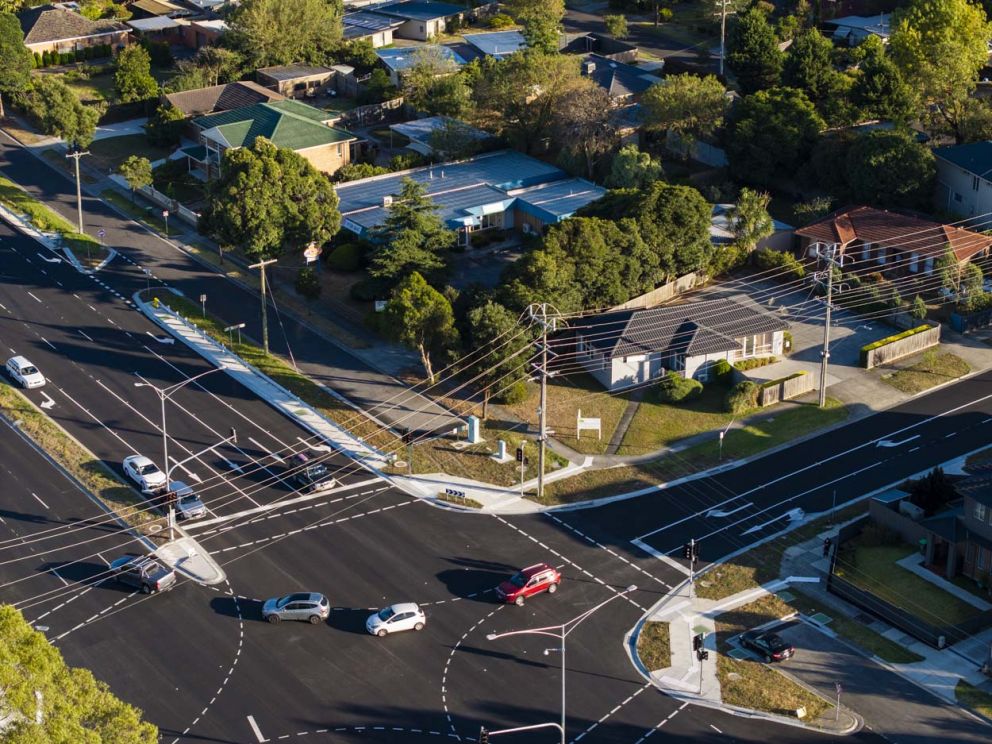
{"points": [[48, 402], [890, 443]]}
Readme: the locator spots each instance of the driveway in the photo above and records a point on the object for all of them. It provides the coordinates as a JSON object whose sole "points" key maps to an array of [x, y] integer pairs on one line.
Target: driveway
{"points": [[890, 704]]}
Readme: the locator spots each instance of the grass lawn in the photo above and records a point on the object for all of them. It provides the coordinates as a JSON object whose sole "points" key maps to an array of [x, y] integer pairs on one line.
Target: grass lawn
{"points": [[43, 218], [135, 210], [933, 370], [654, 647], [658, 424], [971, 697], [854, 632], [751, 684], [108, 154], [94, 89], [566, 397], [873, 567]]}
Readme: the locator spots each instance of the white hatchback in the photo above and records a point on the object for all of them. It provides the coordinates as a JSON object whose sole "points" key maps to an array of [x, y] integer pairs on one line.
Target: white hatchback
{"points": [[24, 373], [145, 473], [395, 618]]}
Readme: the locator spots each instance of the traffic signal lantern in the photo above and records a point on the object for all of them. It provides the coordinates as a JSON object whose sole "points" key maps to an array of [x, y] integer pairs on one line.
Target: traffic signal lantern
{"points": [[483, 736], [520, 454]]}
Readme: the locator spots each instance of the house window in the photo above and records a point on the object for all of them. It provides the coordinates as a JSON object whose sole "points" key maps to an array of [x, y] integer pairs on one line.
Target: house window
{"points": [[492, 221], [914, 262], [983, 558], [865, 251], [979, 512], [974, 183], [928, 266], [881, 254], [958, 198]]}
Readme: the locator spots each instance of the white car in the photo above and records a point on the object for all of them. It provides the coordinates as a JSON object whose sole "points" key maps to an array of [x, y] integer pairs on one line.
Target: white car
{"points": [[397, 617], [145, 473], [24, 373]]}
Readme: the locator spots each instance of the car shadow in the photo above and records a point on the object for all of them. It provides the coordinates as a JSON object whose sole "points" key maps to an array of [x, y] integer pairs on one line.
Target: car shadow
{"points": [[245, 609], [349, 620], [476, 584]]}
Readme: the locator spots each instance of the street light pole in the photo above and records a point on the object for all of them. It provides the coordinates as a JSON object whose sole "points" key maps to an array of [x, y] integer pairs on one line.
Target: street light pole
{"points": [[265, 323], [561, 632]]}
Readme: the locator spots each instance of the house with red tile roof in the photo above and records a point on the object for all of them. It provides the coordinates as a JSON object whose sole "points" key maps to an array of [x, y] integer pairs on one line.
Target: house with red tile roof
{"points": [[892, 243]]}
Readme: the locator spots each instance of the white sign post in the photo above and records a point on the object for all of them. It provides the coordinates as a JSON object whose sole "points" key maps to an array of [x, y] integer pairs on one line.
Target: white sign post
{"points": [[589, 424]]}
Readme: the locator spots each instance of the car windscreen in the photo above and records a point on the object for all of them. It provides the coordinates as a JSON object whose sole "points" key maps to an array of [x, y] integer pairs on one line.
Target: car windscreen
{"points": [[188, 500], [29, 370], [146, 469], [385, 613]]}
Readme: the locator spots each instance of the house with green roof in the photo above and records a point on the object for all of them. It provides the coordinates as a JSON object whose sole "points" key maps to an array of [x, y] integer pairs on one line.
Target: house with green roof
{"points": [[287, 123]]}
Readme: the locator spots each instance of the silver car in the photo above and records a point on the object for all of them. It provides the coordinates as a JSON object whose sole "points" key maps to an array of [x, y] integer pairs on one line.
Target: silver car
{"points": [[308, 606], [185, 500], [143, 572]]}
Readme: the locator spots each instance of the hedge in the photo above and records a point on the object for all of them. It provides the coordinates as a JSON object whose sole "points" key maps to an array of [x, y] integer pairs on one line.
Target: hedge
{"points": [[892, 339], [675, 388], [346, 257], [745, 364]]}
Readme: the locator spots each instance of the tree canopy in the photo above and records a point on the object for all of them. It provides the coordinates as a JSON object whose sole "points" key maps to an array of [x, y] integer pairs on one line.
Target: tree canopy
{"points": [[582, 126], [879, 90], [494, 334], [412, 238], [268, 200], [420, 317], [753, 53], [890, 169], [137, 170], [278, 32], [15, 59], [688, 104], [133, 77], [749, 218], [633, 169], [809, 64], [58, 111], [434, 85], [541, 21]]}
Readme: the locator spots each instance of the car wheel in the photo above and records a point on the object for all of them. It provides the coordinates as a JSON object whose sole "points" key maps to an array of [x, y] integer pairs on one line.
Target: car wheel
{"points": [[314, 619], [418, 626], [382, 632], [146, 588], [273, 619], [519, 601], [552, 589]]}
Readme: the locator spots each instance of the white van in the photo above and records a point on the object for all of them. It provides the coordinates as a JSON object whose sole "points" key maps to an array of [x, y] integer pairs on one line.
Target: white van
{"points": [[24, 373]]}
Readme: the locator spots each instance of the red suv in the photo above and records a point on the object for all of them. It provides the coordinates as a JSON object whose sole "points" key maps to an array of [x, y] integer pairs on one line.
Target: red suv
{"points": [[527, 582]]}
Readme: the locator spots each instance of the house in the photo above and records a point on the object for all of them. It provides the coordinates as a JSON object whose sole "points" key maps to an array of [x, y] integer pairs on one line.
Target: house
{"points": [[397, 61], [420, 20], [623, 82], [895, 244], [216, 98], [497, 191], [374, 27], [852, 30], [601, 44], [420, 131], [295, 81], [722, 231], [49, 28], [622, 348], [178, 31], [287, 123], [495, 44], [157, 9], [964, 179]]}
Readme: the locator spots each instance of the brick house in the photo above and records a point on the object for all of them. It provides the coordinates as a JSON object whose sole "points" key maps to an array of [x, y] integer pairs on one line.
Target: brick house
{"points": [[50, 28]]}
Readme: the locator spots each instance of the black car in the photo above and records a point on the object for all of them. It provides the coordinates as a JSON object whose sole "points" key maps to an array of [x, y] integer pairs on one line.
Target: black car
{"points": [[768, 646], [308, 475]]}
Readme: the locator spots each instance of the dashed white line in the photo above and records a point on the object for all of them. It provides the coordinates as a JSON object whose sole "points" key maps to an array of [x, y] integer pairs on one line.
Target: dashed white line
{"points": [[32, 296], [50, 344], [39, 499]]}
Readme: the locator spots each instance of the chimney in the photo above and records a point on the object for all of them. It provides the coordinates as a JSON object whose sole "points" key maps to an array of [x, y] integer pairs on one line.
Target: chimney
{"points": [[387, 200]]}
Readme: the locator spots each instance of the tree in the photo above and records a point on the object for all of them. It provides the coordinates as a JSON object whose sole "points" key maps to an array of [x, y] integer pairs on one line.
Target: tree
{"points": [[879, 88], [749, 218], [933, 491], [616, 26], [412, 238], [15, 60], [890, 169], [211, 65], [308, 284], [772, 133], [269, 199], [689, 105], [633, 169], [455, 140], [133, 77], [940, 46], [278, 32], [919, 311], [975, 122], [75, 707], [357, 171], [165, 126], [58, 112], [950, 270], [494, 330], [420, 317], [675, 224], [541, 21], [582, 124], [433, 84], [753, 53], [809, 64], [137, 171]]}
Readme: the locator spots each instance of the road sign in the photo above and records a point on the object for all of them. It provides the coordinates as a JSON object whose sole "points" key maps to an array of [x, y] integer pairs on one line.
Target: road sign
{"points": [[203, 298], [101, 233], [165, 213]]}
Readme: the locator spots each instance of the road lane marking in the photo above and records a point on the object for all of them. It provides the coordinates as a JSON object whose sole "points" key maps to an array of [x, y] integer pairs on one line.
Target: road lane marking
{"points": [[256, 729], [686, 519], [83, 334], [190, 473], [273, 455], [35, 298], [48, 342], [56, 575], [39, 500]]}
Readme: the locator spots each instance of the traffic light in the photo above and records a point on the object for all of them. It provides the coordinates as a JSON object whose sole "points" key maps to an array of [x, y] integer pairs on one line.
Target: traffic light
{"points": [[697, 642], [702, 654], [483, 735], [520, 454], [687, 551]]}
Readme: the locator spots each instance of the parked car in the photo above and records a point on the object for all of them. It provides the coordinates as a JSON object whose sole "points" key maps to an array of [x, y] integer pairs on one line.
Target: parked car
{"points": [[396, 618], [527, 582], [309, 475], [768, 646], [145, 473], [24, 373], [143, 572], [187, 504], [309, 606]]}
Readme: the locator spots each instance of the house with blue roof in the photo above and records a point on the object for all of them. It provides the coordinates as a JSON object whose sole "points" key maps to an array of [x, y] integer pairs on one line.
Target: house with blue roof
{"points": [[964, 179], [496, 191], [399, 60], [496, 44], [421, 20], [376, 28]]}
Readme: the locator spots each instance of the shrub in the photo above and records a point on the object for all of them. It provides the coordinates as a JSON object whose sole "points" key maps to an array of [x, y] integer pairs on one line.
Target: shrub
{"points": [[665, 14], [742, 397], [355, 171], [500, 20], [346, 257], [976, 302], [406, 160], [37, 60], [513, 395], [787, 342], [919, 311], [788, 266], [674, 388], [745, 364], [723, 372]]}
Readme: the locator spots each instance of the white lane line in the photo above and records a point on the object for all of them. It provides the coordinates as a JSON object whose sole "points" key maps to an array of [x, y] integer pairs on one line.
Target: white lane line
{"points": [[31, 295], [273, 455], [83, 334], [699, 513], [48, 342], [190, 473], [4, 307], [256, 729], [56, 575], [39, 499]]}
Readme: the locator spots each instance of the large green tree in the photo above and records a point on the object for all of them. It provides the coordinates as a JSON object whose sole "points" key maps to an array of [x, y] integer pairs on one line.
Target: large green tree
{"points": [[420, 317], [752, 51], [771, 134], [58, 111], [890, 169], [137, 170], [412, 238], [434, 85], [674, 222], [879, 90], [582, 126], [496, 341], [74, 706], [690, 105], [749, 218], [541, 21], [15, 59], [278, 32], [940, 46], [268, 200], [633, 169], [133, 77], [809, 64]]}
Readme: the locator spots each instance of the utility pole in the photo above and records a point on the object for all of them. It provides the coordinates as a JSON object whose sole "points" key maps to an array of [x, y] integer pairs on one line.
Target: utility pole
{"points": [[548, 317], [265, 321], [723, 33], [75, 152], [827, 251]]}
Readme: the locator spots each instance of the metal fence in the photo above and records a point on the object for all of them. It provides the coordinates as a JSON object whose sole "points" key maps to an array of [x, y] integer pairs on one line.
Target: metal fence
{"points": [[965, 323]]}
